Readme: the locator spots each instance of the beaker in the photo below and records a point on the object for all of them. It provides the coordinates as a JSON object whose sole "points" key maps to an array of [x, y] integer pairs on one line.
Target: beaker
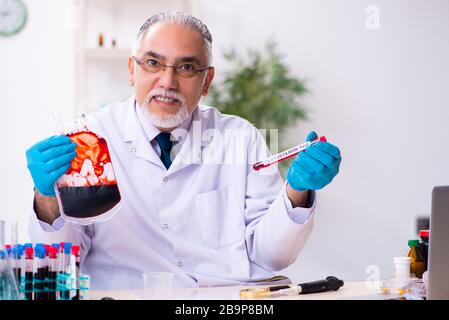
{"points": [[157, 285]]}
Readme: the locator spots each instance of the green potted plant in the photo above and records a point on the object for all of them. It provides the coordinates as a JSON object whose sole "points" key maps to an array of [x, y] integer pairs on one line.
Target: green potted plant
{"points": [[260, 89]]}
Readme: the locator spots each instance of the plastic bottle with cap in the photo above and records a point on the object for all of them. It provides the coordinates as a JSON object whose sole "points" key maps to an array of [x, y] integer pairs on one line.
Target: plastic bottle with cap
{"points": [[416, 259], [423, 247], [402, 267]]}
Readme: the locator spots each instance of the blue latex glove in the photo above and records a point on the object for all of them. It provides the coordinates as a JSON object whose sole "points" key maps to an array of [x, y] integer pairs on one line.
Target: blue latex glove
{"points": [[316, 167], [47, 161]]}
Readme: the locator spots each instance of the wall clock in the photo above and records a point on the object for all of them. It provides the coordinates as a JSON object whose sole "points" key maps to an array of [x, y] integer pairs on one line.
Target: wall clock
{"points": [[13, 17]]}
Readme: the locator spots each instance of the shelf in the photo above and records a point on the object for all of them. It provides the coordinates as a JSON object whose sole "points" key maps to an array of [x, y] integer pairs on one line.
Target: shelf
{"points": [[100, 53]]}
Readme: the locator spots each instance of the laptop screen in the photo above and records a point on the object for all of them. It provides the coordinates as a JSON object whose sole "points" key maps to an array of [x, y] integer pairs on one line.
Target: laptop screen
{"points": [[438, 285]]}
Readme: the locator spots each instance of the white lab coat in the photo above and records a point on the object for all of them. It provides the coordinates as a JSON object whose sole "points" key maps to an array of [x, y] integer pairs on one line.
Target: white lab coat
{"points": [[211, 224]]}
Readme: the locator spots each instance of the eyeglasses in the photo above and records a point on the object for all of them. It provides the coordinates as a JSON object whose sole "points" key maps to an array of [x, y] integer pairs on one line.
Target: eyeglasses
{"points": [[185, 70]]}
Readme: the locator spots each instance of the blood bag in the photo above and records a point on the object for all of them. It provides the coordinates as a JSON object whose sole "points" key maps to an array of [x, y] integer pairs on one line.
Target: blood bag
{"points": [[88, 190]]}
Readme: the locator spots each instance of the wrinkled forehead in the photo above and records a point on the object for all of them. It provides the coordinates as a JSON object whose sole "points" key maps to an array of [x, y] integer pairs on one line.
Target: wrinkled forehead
{"points": [[173, 41]]}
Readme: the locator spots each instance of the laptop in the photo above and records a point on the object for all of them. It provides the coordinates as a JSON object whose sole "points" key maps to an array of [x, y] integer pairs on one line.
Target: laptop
{"points": [[438, 266]]}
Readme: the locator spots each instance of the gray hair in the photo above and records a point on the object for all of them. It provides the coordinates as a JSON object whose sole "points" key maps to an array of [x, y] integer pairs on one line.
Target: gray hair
{"points": [[182, 19]]}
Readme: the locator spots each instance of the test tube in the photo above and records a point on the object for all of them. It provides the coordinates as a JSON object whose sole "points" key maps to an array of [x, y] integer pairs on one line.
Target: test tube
{"points": [[21, 263], [67, 269], [29, 259], [53, 271], [60, 283], [67, 254], [61, 257], [8, 250], [279, 157], [39, 274], [57, 246], [47, 270], [76, 258], [15, 263]]}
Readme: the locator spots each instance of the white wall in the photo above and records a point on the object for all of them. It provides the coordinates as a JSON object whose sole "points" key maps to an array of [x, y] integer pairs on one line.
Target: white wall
{"points": [[36, 78], [380, 95], [377, 94]]}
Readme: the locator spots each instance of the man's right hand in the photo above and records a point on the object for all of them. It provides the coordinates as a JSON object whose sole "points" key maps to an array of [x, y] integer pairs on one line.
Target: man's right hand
{"points": [[47, 161]]}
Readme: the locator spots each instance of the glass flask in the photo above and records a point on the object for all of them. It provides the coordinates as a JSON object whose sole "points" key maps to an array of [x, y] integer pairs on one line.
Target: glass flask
{"points": [[9, 285]]}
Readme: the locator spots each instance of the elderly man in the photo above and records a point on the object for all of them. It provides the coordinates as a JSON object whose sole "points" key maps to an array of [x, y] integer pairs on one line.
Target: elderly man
{"points": [[191, 206]]}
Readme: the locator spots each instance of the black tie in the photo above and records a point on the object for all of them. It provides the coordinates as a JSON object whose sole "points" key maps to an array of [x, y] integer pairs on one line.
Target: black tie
{"points": [[163, 139]]}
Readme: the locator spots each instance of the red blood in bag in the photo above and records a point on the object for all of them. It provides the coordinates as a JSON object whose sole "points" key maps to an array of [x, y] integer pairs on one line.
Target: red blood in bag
{"points": [[91, 147], [89, 187], [85, 202]]}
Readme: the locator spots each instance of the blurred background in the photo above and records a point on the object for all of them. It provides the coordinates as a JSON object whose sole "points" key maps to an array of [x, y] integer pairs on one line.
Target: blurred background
{"points": [[370, 75]]}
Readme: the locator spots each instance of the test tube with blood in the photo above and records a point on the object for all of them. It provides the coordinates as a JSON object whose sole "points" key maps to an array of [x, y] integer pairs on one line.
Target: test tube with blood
{"points": [[29, 262], [57, 246], [284, 155], [53, 271], [61, 267], [47, 269], [76, 257], [39, 275], [66, 267], [61, 257]]}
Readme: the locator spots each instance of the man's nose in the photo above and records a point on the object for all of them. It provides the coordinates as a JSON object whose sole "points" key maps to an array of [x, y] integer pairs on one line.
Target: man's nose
{"points": [[168, 78]]}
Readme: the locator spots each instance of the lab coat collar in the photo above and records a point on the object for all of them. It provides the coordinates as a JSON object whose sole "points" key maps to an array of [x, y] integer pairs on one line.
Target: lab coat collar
{"points": [[191, 149], [134, 134], [130, 126]]}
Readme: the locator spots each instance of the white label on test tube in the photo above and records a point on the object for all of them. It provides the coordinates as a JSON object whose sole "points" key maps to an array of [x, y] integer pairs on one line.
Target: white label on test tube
{"points": [[286, 154]]}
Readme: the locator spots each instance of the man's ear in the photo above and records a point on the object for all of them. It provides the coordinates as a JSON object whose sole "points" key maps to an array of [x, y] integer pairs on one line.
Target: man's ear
{"points": [[208, 81], [131, 71]]}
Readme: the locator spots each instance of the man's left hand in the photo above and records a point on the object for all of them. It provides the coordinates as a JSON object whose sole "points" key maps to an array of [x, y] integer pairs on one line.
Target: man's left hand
{"points": [[314, 168]]}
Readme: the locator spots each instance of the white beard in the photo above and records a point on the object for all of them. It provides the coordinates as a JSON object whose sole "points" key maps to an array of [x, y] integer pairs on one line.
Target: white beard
{"points": [[166, 121]]}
